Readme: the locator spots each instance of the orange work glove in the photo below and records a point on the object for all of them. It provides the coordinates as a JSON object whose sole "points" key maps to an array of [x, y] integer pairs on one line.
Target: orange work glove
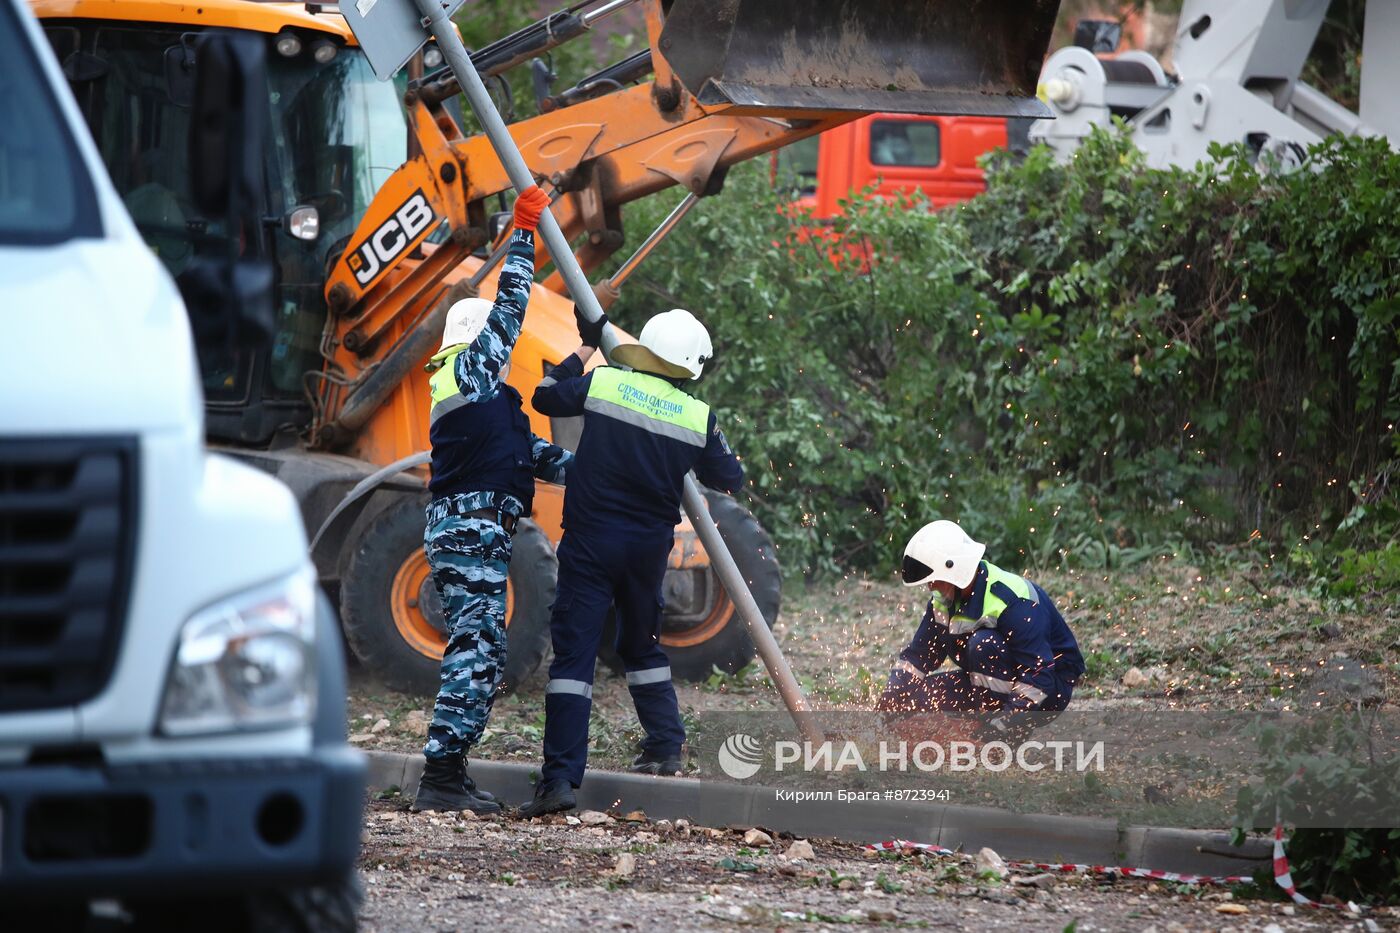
{"points": [[528, 206]]}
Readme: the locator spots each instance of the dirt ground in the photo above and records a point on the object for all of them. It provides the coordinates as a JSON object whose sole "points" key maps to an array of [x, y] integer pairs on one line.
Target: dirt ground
{"points": [[1162, 636], [430, 872], [1167, 635]]}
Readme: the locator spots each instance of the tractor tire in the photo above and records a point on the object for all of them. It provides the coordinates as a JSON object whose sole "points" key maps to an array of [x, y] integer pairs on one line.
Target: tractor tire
{"points": [[392, 616], [534, 575], [722, 639]]}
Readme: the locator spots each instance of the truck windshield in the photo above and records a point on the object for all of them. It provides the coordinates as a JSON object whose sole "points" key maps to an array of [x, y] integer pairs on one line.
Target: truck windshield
{"points": [[45, 194]]}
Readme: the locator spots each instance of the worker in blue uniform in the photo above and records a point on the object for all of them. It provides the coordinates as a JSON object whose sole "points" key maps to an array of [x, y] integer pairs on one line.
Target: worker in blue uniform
{"points": [[641, 435], [485, 461], [1013, 651]]}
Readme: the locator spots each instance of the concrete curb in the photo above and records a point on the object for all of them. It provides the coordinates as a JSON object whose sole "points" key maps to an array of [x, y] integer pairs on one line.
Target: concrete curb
{"points": [[1013, 835]]}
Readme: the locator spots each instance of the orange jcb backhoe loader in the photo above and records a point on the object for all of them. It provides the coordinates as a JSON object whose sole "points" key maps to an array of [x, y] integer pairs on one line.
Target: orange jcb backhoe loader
{"points": [[372, 251]]}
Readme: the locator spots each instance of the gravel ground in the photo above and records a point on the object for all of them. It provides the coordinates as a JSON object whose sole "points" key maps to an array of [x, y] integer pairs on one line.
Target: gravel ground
{"points": [[430, 872]]}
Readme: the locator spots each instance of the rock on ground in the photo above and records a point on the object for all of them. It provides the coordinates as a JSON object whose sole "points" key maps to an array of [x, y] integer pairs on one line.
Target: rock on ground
{"points": [[990, 862], [801, 849], [1345, 680], [1134, 678]]}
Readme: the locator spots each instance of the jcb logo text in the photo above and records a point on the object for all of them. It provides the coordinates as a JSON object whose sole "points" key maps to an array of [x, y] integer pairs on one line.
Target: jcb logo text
{"points": [[391, 238]]}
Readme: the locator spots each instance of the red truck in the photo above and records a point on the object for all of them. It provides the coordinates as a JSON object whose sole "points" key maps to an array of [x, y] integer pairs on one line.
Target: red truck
{"points": [[895, 152]]}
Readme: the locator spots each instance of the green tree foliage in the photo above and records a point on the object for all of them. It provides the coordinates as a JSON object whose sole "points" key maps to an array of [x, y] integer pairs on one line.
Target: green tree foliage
{"points": [[1334, 63], [1084, 363]]}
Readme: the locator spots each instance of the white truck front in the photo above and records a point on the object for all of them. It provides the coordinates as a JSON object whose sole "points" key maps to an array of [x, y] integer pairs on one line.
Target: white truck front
{"points": [[172, 706]]}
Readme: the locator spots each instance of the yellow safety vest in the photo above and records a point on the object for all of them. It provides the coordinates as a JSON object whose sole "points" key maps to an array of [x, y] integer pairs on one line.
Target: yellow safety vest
{"points": [[446, 393], [992, 605], [648, 402]]}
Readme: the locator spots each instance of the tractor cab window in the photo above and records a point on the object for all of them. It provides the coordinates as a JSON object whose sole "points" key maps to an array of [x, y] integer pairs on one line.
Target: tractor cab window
{"points": [[339, 134], [140, 118], [336, 134], [904, 142]]}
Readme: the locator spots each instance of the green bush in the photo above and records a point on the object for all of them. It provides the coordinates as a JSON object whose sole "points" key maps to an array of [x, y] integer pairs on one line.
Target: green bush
{"points": [[1329, 771], [1089, 363]]}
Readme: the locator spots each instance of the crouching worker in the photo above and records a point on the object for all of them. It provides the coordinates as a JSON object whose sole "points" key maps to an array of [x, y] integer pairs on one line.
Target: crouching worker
{"points": [[485, 460], [641, 436], [1013, 651]]}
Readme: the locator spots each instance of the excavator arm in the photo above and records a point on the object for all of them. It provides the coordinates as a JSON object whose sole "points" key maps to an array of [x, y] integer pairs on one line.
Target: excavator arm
{"points": [[708, 105], [695, 156]]}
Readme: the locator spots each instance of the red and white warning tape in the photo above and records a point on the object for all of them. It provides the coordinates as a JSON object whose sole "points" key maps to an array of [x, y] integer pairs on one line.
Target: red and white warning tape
{"points": [[1282, 875]]}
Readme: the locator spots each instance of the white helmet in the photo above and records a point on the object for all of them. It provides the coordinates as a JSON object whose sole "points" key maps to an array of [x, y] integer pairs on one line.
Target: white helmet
{"points": [[941, 550], [465, 319], [673, 343]]}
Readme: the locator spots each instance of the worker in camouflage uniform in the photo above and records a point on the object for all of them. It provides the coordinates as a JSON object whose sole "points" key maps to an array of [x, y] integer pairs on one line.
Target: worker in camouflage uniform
{"points": [[485, 461]]}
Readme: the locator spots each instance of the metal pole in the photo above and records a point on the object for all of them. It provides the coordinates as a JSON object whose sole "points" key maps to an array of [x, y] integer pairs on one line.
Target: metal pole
{"points": [[720, 558], [607, 9], [657, 235], [738, 589]]}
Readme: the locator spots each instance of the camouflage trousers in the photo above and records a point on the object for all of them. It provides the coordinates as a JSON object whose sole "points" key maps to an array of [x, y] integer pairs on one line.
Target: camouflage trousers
{"points": [[470, 559]]}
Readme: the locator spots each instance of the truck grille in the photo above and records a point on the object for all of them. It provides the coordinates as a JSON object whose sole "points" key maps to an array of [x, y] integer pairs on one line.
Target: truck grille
{"points": [[67, 540]]}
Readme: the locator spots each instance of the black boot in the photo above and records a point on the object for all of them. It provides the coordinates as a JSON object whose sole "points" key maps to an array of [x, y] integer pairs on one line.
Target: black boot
{"points": [[442, 787], [550, 797], [649, 763], [470, 787]]}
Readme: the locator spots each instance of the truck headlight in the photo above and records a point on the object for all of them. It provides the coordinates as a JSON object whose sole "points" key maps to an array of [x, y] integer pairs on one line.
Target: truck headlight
{"points": [[246, 663]]}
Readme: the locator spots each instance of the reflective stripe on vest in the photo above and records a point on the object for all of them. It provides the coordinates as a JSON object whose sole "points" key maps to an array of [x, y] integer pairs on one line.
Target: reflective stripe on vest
{"points": [[649, 403], [997, 685], [447, 394], [992, 605]]}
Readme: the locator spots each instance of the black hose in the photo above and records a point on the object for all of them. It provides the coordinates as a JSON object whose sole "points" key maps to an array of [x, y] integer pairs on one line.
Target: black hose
{"points": [[504, 54]]}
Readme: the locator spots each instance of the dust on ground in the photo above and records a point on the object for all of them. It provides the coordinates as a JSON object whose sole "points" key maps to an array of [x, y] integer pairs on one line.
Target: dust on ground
{"points": [[452, 872]]}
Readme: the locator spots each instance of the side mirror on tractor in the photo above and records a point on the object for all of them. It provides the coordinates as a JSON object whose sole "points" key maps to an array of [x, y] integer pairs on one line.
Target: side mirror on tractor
{"points": [[230, 295]]}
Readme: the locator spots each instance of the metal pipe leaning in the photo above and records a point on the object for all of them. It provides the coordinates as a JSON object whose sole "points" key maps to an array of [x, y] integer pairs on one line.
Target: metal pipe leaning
{"points": [[582, 291], [660, 233]]}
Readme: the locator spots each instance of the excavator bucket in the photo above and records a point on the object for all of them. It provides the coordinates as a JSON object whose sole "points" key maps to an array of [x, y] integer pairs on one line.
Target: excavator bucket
{"points": [[907, 56]]}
